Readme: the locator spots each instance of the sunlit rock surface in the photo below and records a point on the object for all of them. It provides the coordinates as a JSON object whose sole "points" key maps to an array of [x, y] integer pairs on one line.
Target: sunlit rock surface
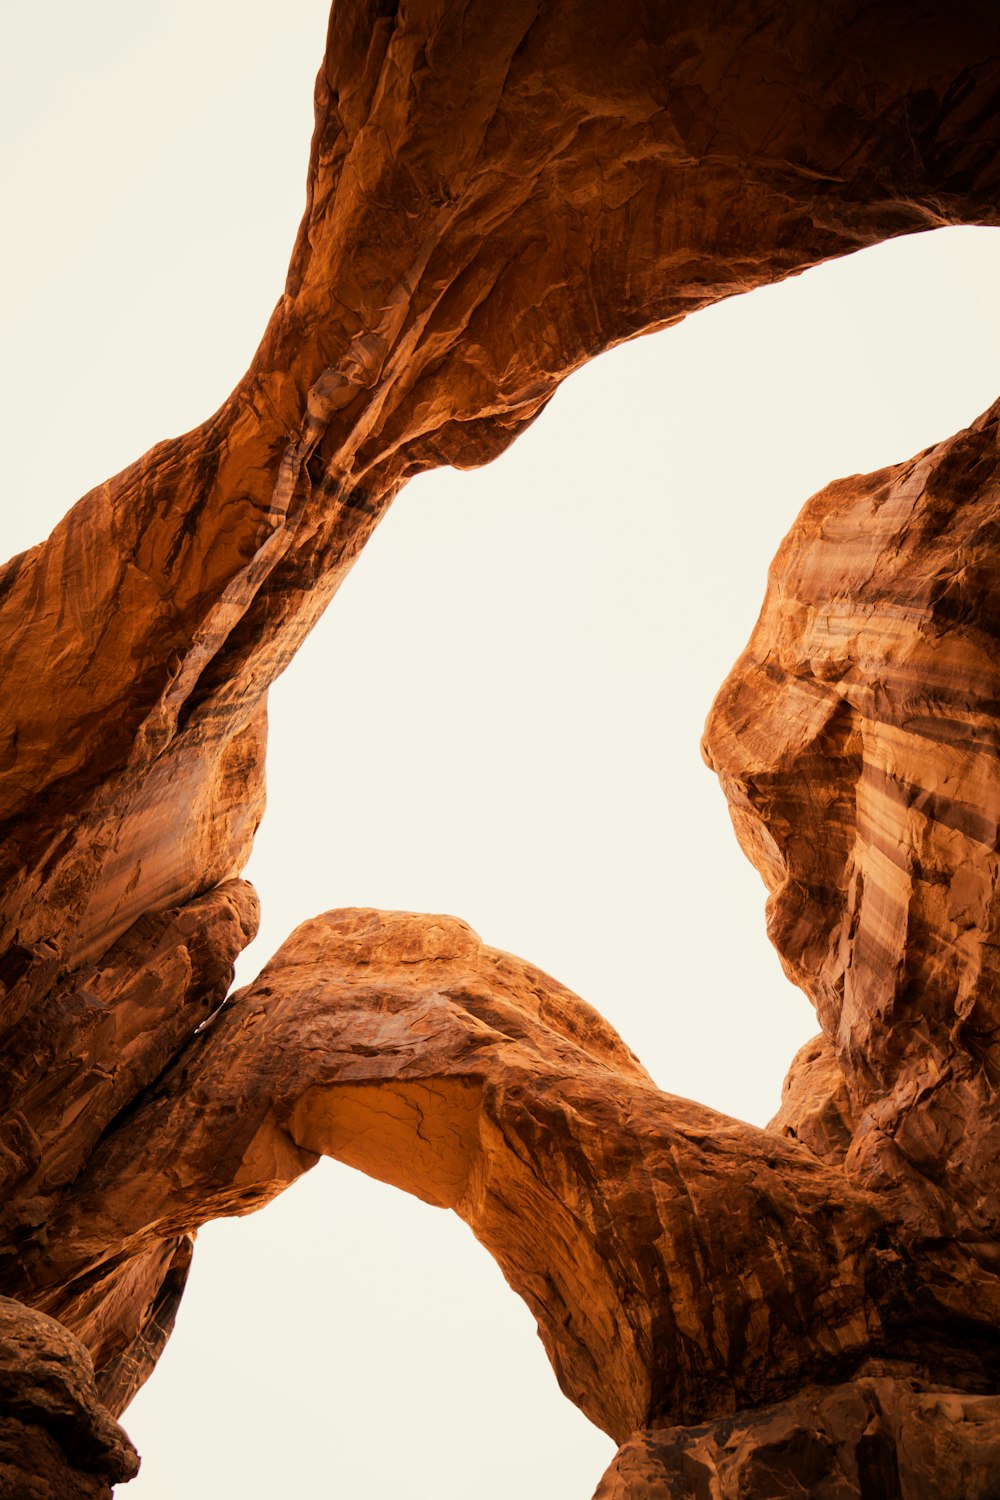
{"points": [[857, 742], [495, 194]]}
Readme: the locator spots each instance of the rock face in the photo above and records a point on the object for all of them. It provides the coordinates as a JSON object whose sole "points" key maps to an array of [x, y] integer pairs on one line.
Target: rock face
{"points": [[857, 742], [496, 193], [877, 1438], [56, 1439], [401, 1045]]}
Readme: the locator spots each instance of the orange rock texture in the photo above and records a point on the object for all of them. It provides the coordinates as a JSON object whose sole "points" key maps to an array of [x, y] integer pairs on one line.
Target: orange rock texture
{"points": [[401, 1045], [495, 194], [873, 1437], [857, 739], [57, 1440]]}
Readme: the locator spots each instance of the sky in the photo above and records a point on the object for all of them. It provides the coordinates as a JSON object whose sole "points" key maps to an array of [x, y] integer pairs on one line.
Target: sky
{"points": [[588, 593]]}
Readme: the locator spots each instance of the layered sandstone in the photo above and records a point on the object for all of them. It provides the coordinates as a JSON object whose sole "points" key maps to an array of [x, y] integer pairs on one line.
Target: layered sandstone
{"points": [[856, 740], [56, 1438], [495, 194]]}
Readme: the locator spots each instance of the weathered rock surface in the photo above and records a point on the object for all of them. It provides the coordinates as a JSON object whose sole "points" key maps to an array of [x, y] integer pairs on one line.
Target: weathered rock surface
{"points": [[401, 1045], [877, 1438], [495, 194], [857, 742], [57, 1441], [98, 1040]]}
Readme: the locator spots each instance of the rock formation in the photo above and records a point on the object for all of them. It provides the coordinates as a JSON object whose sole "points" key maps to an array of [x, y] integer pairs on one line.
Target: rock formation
{"points": [[495, 194], [56, 1438], [402, 1046], [856, 739], [873, 1437]]}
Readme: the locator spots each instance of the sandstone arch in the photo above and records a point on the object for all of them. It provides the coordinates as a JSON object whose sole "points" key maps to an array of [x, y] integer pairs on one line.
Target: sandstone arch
{"points": [[133, 776]]}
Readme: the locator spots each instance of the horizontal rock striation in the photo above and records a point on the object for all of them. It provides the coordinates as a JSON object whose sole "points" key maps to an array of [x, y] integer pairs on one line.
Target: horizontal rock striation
{"points": [[857, 742], [496, 194]]}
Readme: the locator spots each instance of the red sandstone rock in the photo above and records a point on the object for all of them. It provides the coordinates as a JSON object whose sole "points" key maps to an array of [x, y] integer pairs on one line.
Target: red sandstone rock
{"points": [[857, 741], [876, 1437], [400, 1045], [816, 1103], [101, 1038], [496, 193], [57, 1442]]}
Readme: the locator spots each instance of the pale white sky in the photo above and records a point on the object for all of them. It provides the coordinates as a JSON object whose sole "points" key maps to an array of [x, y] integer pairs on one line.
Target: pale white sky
{"points": [[522, 660]]}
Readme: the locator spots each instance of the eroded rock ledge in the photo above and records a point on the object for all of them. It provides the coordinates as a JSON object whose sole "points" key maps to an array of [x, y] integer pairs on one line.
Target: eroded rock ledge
{"points": [[495, 194]]}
